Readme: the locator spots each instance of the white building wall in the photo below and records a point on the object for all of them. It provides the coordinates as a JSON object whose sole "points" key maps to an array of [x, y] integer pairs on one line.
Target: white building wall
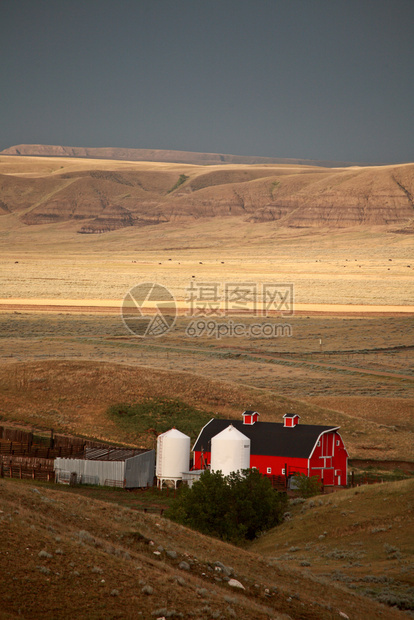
{"points": [[140, 470], [98, 470]]}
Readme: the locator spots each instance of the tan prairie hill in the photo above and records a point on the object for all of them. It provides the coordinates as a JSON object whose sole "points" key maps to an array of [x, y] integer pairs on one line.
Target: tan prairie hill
{"points": [[97, 196], [159, 155]]}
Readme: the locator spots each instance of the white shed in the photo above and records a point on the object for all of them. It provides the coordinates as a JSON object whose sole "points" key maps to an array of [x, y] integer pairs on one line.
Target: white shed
{"points": [[119, 467]]}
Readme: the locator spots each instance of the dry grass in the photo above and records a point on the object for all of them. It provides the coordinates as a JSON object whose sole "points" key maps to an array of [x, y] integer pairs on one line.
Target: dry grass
{"points": [[78, 273], [392, 412], [361, 537], [66, 556], [73, 396], [352, 268], [70, 368]]}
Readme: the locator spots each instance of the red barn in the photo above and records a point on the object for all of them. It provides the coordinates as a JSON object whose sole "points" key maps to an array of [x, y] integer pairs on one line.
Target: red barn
{"points": [[283, 449]]}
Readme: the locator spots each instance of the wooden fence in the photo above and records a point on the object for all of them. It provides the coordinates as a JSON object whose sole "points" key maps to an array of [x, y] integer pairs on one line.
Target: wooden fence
{"points": [[53, 440], [27, 461], [10, 470], [280, 483], [14, 448], [13, 434]]}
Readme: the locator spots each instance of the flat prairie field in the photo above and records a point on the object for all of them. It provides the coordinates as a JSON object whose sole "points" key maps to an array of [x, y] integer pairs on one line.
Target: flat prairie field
{"points": [[316, 276]]}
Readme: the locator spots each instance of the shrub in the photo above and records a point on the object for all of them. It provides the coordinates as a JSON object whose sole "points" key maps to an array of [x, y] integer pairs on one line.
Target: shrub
{"points": [[233, 508], [308, 486], [181, 179]]}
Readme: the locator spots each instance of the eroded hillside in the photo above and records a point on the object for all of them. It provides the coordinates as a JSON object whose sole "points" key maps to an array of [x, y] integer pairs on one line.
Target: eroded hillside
{"points": [[104, 195]]}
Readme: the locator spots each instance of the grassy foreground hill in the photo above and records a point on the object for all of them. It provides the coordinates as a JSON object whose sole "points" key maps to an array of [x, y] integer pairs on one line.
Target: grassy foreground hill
{"points": [[360, 537], [67, 556]]}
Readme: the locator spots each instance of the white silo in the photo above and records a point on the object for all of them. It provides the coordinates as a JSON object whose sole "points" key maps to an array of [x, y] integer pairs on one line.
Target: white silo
{"points": [[173, 456], [230, 451]]}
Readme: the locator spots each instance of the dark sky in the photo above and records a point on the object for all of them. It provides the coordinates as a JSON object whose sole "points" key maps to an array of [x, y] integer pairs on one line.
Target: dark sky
{"points": [[317, 79]]}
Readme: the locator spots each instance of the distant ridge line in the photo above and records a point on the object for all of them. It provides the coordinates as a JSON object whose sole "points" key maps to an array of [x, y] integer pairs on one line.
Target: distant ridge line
{"points": [[160, 155]]}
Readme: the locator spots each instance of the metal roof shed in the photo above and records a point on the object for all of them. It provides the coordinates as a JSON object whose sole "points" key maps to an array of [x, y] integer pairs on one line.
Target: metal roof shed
{"points": [[109, 467]]}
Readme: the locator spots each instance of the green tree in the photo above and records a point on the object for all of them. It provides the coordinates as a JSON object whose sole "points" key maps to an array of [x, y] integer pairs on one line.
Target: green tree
{"points": [[256, 505], [233, 508]]}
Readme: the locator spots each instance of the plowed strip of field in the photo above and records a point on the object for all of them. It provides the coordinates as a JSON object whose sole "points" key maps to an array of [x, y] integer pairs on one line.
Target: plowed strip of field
{"points": [[113, 306]]}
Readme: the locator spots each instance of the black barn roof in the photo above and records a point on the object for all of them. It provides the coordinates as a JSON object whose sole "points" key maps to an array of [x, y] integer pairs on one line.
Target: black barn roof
{"points": [[267, 438]]}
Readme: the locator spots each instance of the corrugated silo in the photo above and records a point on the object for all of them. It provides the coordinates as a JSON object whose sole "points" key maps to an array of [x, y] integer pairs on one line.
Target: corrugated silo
{"points": [[230, 451], [173, 456]]}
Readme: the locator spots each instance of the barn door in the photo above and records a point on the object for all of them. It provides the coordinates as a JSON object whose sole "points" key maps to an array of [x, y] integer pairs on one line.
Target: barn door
{"points": [[328, 476]]}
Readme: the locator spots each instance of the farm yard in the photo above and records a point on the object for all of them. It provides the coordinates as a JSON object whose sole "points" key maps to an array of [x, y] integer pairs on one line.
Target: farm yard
{"points": [[115, 542]]}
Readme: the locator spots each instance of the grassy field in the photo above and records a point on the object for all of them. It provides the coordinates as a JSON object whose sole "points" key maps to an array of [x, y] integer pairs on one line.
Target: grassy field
{"points": [[64, 371], [325, 268]]}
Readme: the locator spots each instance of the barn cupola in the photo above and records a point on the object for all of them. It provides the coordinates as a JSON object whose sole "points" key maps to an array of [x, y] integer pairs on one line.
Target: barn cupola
{"points": [[290, 420], [250, 417]]}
